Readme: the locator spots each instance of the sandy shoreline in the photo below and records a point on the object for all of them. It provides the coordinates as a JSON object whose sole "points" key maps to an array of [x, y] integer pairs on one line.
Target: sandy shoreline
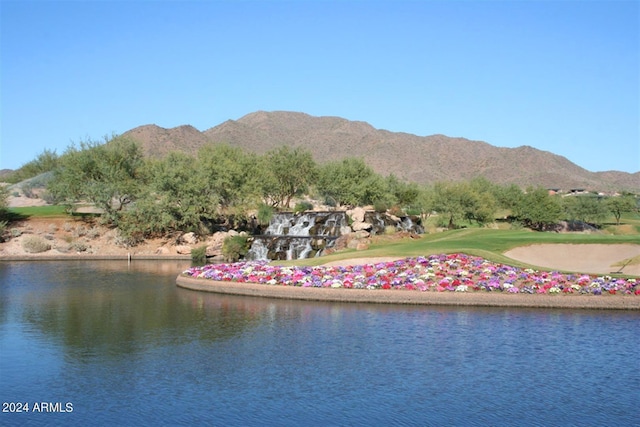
{"points": [[472, 299]]}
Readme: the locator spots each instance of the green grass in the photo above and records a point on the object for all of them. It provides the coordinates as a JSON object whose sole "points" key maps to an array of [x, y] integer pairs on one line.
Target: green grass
{"points": [[483, 242], [39, 211]]}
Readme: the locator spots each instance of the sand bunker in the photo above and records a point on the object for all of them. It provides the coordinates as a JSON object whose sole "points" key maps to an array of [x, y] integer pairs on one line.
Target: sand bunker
{"points": [[582, 258]]}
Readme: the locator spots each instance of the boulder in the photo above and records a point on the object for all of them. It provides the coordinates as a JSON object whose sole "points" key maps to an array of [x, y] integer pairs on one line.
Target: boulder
{"points": [[189, 238], [356, 214], [183, 249], [163, 250], [362, 245], [345, 230], [362, 234], [360, 225]]}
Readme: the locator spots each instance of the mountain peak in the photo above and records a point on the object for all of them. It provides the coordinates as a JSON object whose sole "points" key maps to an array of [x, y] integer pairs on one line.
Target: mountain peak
{"points": [[420, 159]]}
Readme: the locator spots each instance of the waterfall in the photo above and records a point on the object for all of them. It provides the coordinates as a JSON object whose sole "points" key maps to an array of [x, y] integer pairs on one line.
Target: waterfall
{"points": [[307, 234], [297, 235]]}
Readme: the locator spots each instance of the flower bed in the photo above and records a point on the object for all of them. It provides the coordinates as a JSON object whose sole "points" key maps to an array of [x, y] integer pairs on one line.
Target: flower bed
{"points": [[438, 273]]}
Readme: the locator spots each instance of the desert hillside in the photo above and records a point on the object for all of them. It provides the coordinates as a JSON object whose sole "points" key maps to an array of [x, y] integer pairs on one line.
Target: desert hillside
{"points": [[423, 159]]}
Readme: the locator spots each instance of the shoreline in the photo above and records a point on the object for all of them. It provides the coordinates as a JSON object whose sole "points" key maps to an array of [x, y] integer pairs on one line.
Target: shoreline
{"points": [[412, 297]]}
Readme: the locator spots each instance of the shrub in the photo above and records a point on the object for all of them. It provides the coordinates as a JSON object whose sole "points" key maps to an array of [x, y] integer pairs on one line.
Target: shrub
{"points": [[303, 206], [380, 206], [80, 231], [15, 232], [35, 244], [79, 246], [265, 213], [396, 211], [93, 232], [235, 247], [199, 255], [128, 239], [3, 228]]}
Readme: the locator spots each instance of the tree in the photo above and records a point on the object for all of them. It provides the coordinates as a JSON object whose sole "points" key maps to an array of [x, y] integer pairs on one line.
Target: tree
{"points": [[538, 209], [350, 181], [104, 174], [286, 173], [45, 162], [404, 193], [509, 197], [588, 209], [449, 200], [425, 202], [172, 199], [228, 175], [621, 204]]}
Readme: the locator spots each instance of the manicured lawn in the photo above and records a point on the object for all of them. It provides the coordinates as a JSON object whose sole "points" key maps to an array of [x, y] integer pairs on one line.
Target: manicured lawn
{"points": [[484, 242], [39, 211]]}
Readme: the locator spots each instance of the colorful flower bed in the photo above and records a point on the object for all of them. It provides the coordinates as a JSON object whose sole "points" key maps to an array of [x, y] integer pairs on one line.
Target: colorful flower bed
{"points": [[441, 273]]}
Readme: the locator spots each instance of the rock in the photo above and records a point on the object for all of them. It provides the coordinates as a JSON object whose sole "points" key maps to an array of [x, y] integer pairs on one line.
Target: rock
{"points": [[362, 234], [345, 230], [362, 245], [183, 249], [357, 226], [163, 250], [356, 214], [214, 250], [352, 244], [188, 239]]}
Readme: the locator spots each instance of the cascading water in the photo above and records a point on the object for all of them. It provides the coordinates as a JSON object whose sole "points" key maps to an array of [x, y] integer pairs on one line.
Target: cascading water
{"points": [[297, 236]]}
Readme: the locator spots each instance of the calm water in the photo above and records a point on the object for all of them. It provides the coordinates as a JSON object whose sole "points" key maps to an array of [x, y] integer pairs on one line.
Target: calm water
{"points": [[124, 346]]}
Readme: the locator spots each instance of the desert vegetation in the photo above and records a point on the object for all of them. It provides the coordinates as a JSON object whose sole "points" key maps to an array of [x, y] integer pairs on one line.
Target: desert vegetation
{"points": [[225, 187]]}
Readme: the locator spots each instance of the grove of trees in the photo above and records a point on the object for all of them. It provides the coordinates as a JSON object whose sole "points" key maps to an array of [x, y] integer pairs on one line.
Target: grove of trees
{"points": [[221, 184]]}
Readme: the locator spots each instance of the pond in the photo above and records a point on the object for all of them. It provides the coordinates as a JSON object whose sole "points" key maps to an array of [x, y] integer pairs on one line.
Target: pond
{"points": [[109, 342]]}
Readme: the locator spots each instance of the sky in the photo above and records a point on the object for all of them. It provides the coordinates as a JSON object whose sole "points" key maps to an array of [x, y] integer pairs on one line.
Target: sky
{"points": [[560, 76]]}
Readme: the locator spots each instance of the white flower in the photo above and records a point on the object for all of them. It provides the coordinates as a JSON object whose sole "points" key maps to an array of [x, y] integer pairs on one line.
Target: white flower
{"points": [[462, 288]]}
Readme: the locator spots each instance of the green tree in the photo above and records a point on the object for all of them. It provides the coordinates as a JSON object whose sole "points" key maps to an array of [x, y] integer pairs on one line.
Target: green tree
{"points": [[227, 175], [588, 209], [172, 200], [424, 202], [538, 209], [286, 173], [620, 204], [104, 174], [508, 197], [450, 200], [46, 161], [350, 181], [404, 193]]}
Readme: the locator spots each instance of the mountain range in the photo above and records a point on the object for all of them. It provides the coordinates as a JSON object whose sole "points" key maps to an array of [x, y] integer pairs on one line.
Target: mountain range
{"points": [[421, 159]]}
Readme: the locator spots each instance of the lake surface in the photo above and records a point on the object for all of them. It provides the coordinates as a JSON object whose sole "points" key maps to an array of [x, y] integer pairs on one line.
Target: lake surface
{"points": [[120, 344]]}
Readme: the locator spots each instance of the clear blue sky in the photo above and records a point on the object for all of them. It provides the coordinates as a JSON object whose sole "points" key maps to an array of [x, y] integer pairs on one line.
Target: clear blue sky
{"points": [[561, 76]]}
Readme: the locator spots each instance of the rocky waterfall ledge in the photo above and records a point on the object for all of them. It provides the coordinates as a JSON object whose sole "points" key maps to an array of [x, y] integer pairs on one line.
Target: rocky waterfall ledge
{"points": [[313, 233]]}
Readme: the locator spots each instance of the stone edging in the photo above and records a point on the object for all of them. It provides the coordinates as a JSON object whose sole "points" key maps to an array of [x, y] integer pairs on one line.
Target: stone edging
{"points": [[475, 299]]}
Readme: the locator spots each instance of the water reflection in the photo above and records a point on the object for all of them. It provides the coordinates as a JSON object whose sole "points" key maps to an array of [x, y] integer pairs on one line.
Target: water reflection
{"points": [[127, 346], [122, 310]]}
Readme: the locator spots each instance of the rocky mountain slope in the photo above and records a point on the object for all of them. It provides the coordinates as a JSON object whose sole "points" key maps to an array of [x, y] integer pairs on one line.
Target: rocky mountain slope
{"points": [[421, 159]]}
